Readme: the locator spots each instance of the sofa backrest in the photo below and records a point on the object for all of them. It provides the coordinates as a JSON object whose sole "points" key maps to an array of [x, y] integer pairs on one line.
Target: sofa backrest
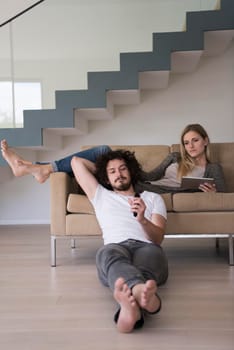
{"points": [[222, 153], [149, 156]]}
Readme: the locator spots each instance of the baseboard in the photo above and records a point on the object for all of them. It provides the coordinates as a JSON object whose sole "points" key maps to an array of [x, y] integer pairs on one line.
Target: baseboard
{"points": [[24, 222]]}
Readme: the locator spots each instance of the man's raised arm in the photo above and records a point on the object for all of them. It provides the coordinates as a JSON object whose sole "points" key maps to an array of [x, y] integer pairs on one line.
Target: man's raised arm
{"points": [[84, 171]]}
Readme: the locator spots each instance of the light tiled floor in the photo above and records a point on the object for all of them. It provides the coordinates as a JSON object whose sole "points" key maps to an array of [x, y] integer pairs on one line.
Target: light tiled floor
{"points": [[66, 307]]}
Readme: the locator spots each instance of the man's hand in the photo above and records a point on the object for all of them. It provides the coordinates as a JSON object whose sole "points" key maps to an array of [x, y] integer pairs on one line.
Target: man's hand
{"points": [[154, 228], [137, 207]]}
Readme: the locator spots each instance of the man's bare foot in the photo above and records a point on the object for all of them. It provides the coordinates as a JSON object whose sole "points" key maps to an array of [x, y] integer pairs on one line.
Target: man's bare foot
{"points": [[146, 297], [129, 310], [21, 167]]}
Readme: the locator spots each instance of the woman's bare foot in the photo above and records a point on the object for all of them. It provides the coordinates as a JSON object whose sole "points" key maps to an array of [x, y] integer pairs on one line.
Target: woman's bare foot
{"points": [[21, 167], [129, 310], [146, 297], [40, 172], [13, 159]]}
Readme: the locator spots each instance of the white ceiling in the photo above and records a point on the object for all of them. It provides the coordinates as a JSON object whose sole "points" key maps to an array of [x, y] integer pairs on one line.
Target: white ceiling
{"points": [[10, 8]]}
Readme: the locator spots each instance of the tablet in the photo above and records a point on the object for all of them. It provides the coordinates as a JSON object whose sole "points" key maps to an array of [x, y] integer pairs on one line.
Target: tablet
{"points": [[189, 182]]}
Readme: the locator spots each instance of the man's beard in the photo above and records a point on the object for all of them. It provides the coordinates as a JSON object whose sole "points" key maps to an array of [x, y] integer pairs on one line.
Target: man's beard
{"points": [[122, 186]]}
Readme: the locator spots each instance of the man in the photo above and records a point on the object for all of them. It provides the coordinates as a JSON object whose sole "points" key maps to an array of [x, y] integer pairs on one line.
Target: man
{"points": [[131, 262]]}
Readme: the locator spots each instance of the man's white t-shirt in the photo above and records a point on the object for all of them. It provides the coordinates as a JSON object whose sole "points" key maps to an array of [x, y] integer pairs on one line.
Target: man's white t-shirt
{"points": [[116, 219]]}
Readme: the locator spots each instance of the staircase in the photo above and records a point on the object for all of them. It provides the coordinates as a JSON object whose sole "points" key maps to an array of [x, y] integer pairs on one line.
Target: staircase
{"points": [[206, 33]]}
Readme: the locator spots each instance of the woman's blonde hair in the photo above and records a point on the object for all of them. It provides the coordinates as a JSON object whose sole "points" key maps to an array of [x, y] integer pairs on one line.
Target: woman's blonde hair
{"points": [[186, 163]]}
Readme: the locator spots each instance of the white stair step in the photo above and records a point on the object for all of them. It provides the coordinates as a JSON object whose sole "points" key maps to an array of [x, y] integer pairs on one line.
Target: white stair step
{"points": [[216, 42], [153, 80], [185, 61]]}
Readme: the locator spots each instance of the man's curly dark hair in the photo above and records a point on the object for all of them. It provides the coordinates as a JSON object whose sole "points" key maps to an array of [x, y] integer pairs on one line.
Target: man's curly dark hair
{"points": [[130, 160]]}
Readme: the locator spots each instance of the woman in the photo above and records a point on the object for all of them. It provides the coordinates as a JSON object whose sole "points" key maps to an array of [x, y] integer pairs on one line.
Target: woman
{"points": [[192, 160]]}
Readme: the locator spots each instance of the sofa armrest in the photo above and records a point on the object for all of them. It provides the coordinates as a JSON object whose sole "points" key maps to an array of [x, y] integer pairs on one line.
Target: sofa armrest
{"points": [[61, 185]]}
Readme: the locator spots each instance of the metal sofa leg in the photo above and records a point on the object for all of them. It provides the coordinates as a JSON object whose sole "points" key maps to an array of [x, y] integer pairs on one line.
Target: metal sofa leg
{"points": [[73, 243], [231, 249], [53, 250]]}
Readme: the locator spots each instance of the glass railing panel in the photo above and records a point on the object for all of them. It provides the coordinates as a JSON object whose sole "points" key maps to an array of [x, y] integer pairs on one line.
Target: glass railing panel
{"points": [[6, 89], [53, 46]]}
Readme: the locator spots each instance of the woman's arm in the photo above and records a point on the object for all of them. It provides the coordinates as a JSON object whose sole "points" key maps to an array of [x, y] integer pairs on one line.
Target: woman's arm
{"points": [[158, 172], [215, 171]]}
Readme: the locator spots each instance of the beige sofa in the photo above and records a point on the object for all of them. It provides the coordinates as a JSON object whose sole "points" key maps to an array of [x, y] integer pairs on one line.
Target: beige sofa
{"points": [[189, 214]]}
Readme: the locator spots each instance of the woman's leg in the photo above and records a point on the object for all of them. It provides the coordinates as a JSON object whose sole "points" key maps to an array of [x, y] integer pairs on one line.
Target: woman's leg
{"points": [[91, 154], [42, 170]]}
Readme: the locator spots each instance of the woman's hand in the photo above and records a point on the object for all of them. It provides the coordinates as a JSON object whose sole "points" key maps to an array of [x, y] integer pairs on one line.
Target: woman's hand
{"points": [[207, 187]]}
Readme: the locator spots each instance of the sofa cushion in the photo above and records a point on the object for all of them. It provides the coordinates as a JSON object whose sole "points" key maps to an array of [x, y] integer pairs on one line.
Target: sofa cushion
{"points": [[79, 203], [167, 197], [82, 225], [198, 202]]}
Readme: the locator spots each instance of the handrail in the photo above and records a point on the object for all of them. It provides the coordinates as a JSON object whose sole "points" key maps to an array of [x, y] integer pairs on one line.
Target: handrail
{"points": [[20, 13]]}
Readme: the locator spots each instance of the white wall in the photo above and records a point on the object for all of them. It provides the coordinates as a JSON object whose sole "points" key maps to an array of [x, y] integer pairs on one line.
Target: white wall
{"points": [[204, 96], [10, 8]]}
